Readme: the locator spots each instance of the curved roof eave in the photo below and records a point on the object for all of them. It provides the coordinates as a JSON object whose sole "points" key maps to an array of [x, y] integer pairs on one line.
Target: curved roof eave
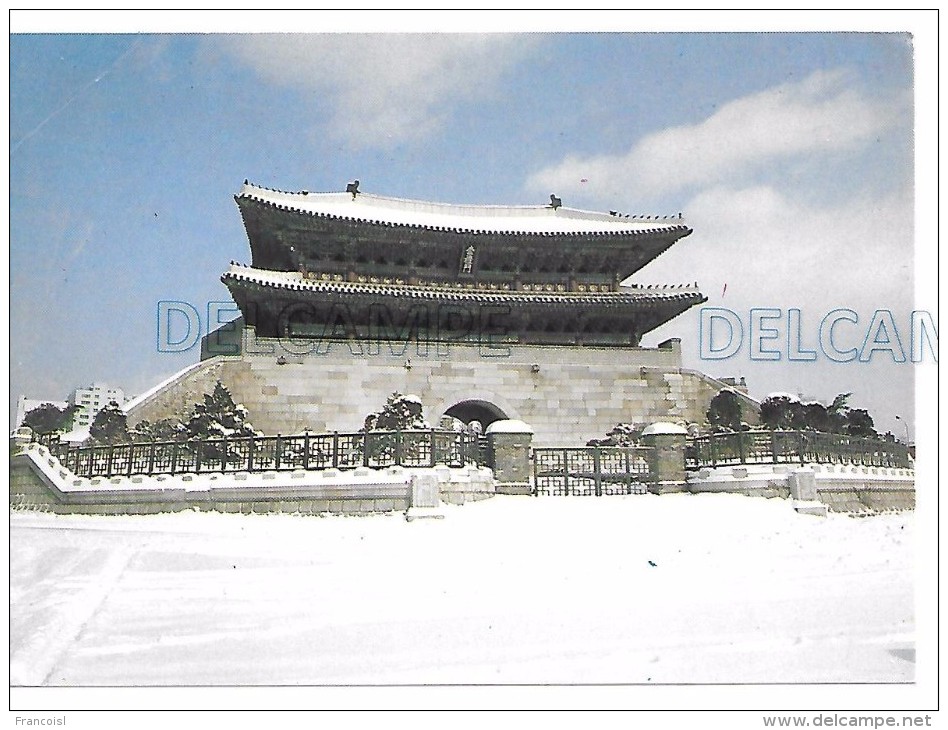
{"points": [[292, 281], [422, 215]]}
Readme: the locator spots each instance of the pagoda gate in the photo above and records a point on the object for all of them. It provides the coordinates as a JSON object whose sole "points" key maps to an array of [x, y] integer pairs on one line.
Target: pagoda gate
{"points": [[484, 312]]}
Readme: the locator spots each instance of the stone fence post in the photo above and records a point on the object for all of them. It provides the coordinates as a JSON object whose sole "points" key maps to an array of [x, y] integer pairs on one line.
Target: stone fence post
{"points": [[21, 437], [509, 442], [667, 458]]}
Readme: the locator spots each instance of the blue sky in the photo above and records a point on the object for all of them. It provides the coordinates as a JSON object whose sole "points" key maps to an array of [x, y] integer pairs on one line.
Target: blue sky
{"points": [[790, 154]]}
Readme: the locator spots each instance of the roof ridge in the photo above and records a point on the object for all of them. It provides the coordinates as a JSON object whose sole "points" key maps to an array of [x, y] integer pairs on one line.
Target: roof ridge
{"points": [[462, 208]]}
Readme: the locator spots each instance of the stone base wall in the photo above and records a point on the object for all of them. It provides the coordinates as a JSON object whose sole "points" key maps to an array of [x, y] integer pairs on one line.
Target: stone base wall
{"points": [[568, 394], [700, 389], [176, 398], [39, 482], [842, 488], [865, 489]]}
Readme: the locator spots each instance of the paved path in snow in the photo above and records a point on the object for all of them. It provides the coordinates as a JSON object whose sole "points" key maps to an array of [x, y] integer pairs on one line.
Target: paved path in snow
{"points": [[673, 589]]}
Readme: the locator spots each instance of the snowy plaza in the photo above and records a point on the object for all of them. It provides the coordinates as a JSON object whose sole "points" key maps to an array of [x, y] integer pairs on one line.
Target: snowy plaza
{"points": [[643, 589]]}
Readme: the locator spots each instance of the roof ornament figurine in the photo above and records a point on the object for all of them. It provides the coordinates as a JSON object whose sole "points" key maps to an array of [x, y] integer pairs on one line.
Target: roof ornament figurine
{"points": [[555, 202], [353, 188]]}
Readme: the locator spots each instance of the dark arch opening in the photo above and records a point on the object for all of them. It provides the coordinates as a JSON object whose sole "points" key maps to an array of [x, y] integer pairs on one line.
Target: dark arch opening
{"points": [[476, 410]]}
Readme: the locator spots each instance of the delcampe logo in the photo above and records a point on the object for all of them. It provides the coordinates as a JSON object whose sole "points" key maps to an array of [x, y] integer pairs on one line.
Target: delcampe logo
{"points": [[841, 335]]}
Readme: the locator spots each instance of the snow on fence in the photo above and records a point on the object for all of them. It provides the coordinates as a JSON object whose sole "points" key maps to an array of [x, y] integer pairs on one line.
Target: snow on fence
{"points": [[797, 447], [374, 449], [591, 470]]}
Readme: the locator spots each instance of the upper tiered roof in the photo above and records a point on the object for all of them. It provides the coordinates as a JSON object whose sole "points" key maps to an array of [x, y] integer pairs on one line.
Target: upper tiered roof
{"points": [[350, 234], [539, 219]]}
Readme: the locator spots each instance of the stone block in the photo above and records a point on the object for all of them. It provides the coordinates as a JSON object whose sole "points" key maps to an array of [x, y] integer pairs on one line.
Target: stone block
{"points": [[425, 500], [352, 506], [813, 507], [518, 488], [802, 483]]}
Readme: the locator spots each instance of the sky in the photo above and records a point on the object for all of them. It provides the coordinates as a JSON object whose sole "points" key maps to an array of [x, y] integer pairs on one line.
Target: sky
{"points": [[790, 154]]}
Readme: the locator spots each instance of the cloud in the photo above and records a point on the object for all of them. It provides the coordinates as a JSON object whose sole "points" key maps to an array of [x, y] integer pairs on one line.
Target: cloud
{"points": [[760, 247], [774, 250], [820, 115], [384, 88]]}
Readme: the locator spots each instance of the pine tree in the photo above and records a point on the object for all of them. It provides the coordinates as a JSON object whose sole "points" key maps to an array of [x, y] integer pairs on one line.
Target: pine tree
{"points": [[724, 411], [167, 429], [780, 412], [837, 412], [218, 417], [815, 417], [110, 425], [400, 413], [47, 418], [622, 434], [859, 423]]}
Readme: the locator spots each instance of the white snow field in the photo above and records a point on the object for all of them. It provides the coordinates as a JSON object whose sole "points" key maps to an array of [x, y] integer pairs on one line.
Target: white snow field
{"points": [[640, 589]]}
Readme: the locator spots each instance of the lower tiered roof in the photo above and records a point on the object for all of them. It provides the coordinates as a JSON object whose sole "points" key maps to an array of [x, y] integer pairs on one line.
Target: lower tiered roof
{"points": [[281, 303]]}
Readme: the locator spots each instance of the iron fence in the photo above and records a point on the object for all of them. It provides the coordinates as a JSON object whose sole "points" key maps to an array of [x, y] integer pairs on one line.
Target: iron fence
{"points": [[308, 451], [591, 470], [799, 447]]}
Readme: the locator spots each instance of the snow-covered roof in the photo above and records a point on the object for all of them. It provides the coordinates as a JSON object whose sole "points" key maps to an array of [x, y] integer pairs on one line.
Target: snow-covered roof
{"points": [[296, 281], [509, 426], [478, 218], [664, 427], [781, 394]]}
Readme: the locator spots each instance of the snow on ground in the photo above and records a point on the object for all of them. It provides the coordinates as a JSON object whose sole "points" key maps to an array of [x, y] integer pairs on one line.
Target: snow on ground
{"points": [[638, 589]]}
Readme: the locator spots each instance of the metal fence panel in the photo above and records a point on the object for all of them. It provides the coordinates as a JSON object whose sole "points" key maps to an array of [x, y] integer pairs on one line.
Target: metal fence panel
{"points": [[274, 453], [793, 447], [590, 471]]}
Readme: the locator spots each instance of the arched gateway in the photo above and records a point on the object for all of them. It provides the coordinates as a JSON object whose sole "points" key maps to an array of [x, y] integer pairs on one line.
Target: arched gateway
{"points": [[476, 410], [351, 297]]}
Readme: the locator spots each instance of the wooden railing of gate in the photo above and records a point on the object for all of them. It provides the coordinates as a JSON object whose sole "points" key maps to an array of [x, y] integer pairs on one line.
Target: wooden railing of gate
{"points": [[591, 470], [800, 447], [308, 451]]}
